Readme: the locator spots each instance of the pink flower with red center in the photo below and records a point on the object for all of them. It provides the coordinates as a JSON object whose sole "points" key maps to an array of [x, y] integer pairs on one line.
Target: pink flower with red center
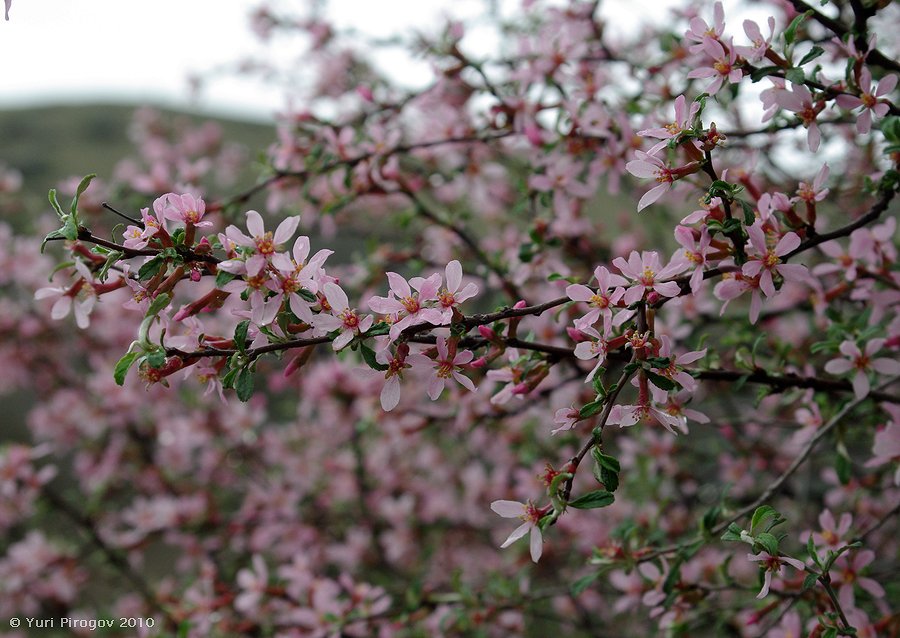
{"points": [[186, 208], [645, 271], [138, 237], [341, 317], [565, 418], [599, 301], [695, 254], [675, 371], [812, 193], [773, 565], [253, 583], [451, 296], [444, 367], [294, 274], [410, 306], [80, 297], [833, 535], [529, 513], [596, 347], [650, 166], [264, 244], [766, 262], [723, 67], [873, 101], [396, 363], [684, 121], [759, 45], [798, 100], [862, 362], [732, 286], [886, 445], [627, 415], [846, 576], [700, 32]]}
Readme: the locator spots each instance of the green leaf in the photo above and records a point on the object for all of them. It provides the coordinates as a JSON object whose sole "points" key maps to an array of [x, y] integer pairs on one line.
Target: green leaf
{"points": [[244, 384], [591, 409], [82, 186], [733, 533], [763, 72], [583, 583], [369, 357], [749, 212], [791, 32], [768, 542], [762, 513], [56, 234], [156, 359], [660, 381], [597, 381], [611, 463], [795, 75], [122, 367], [159, 304], [831, 632], [609, 479], [815, 52], [593, 500], [844, 468], [811, 550], [222, 278], [240, 335], [51, 195], [111, 259], [810, 581], [150, 268]]}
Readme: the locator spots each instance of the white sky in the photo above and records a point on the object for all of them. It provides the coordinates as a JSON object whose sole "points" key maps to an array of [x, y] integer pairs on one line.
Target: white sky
{"points": [[124, 50]]}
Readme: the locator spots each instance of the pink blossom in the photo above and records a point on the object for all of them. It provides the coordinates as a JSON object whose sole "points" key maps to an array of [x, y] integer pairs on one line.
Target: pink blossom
{"points": [[811, 193], [627, 415], [253, 583], [700, 32], [528, 513], [186, 208], [599, 301], [833, 535], [410, 307], [695, 252], [263, 243], [451, 296], [294, 274], [341, 317], [444, 367], [647, 166], [759, 45], [847, 574], [799, 100], [766, 262], [773, 565], [684, 121], [565, 418], [733, 285], [724, 65], [645, 271], [80, 296], [863, 362], [886, 445], [873, 102], [596, 347]]}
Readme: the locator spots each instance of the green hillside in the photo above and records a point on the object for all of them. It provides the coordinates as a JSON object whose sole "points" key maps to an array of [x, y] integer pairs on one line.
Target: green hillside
{"points": [[52, 143]]}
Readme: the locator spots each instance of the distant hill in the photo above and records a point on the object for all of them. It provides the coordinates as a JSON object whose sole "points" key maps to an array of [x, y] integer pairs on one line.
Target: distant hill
{"points": [[48, 144]]}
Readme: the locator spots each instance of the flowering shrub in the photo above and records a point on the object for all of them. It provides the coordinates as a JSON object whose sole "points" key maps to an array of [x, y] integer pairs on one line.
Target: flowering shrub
{"points": [[450, 299]]}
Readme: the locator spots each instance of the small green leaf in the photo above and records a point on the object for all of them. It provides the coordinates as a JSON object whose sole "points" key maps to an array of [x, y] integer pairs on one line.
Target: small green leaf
{"points": [[244, 384], [593, 500], [815, 52], [597, 381], [810, 581], [762, 72], [158, 304], [369, 357], [51, 195], [609, 479], [844, 469], [122, 367], [111, 259], [240, 335], [762, 513], [583, 583], [660, 381], [150, 268], [791, 32], [768, 542], [222, 278], [82, 186], [611, 463], [591, 409], [795, 75], [811, 550], [733, 533], [56, 234]]}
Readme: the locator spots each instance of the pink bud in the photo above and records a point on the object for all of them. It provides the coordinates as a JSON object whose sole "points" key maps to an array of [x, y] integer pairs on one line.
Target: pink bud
{"points": [[521, 303], [522, 388], [533, 133], [576, 335], [480, 362], [653, 297], [487, 332], [365, 93]]}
